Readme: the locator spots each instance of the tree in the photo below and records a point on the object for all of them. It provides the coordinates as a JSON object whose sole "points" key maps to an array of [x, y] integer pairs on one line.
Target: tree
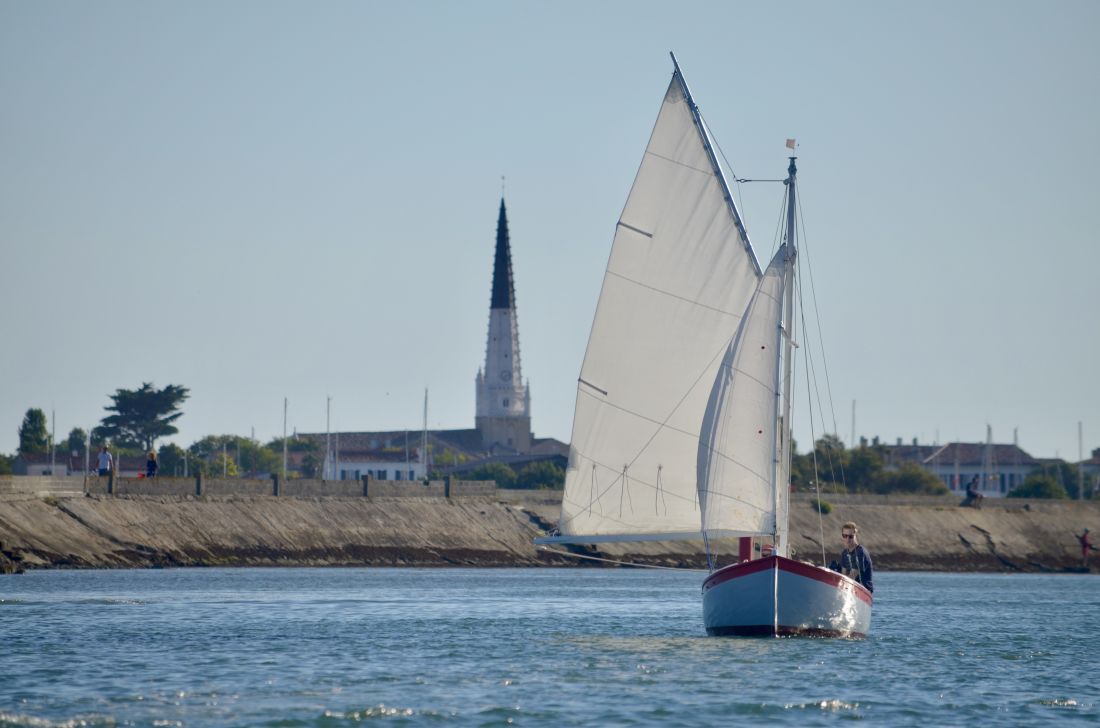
{"points": [[311, 460], [1063, 474], [501, 473], [253, 458], [206, 453], [6, 465], [832, 463], [33, 436], [311, 465], [171, 459], [540, 474], [76, 440], [837, 468], [865, 468], [142, 416], [910, 478], [1038, 485], [449, 458]]}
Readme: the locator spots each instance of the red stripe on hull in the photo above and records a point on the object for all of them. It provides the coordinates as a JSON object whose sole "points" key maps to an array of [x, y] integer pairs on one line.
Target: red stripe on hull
{"points": [[767, 630], [832, 578]]}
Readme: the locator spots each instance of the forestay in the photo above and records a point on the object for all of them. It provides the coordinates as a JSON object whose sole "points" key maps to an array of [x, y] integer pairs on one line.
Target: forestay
{"points": [[680, 275], [738, 446]]}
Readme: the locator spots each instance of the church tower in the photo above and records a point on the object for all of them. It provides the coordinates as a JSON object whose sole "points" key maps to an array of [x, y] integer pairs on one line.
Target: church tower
{"points": [[503, 401]]}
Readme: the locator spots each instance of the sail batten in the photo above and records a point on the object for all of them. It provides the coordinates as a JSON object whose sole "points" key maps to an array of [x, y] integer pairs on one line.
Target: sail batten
{"points": [[678, 279]]}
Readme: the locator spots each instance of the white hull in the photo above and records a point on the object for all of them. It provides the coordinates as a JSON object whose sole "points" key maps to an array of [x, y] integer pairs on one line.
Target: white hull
{"points": [[776, 596]]}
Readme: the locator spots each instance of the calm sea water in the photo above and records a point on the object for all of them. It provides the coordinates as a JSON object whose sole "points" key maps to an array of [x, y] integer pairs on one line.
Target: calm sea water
{"points": [[527, 647]]}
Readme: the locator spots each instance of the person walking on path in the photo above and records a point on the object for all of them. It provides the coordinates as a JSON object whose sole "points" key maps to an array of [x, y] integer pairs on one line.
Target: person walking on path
{"points": [[151, 466], [105, 462], [1086, 546]]}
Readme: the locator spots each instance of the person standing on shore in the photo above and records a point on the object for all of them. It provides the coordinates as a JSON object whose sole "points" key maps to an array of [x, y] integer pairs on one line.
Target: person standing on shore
{"points": [[855, 561], [1086, 546], [151, 464], [105, 462]]}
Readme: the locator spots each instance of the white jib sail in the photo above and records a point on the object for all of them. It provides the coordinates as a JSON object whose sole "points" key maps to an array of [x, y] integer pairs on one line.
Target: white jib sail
{"points": [[678, 279], [738, 447]]}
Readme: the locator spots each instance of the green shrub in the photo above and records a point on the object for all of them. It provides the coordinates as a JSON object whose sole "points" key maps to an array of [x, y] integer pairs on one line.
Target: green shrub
{"points": [[504, 476], [542, 474], [1038, 486]]}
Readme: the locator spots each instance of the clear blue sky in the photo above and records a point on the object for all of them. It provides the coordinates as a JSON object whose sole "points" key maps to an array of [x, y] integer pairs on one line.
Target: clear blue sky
{"points": [[268, 199]]}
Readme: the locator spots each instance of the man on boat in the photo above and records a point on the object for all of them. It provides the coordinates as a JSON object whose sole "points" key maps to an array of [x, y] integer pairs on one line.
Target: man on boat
{"points": [[854, 559]]}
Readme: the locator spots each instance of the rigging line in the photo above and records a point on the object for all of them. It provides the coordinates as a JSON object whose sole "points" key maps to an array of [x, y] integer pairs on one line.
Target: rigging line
{"points": [[591, 492], [723, 497], [710, 143], [789, 434], [820, 335], [620, 563], [663, 292], [597, 499], [780, 227], [813, 453], [659, 494], [721, 151], [604, 516], [707, 172], [626, 489], [640, 416], [737, 180], [816, 390], [734, 461], [820, 407], [663, 425], [594, 486]]}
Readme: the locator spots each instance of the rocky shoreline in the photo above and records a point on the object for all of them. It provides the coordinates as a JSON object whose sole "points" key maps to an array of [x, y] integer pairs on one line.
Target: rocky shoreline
{"points": [[98, 531]]}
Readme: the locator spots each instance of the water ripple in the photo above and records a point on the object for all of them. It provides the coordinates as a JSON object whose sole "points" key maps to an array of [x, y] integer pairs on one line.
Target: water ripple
{"points": [[300, 647]]}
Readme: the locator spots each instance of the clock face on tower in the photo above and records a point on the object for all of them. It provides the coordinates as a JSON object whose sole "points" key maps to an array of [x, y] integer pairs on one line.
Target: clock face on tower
{"points": [[506, 375]]}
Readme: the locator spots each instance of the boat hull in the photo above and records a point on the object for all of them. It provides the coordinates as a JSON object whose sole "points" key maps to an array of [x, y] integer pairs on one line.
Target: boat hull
{"points": [[776, 596]]}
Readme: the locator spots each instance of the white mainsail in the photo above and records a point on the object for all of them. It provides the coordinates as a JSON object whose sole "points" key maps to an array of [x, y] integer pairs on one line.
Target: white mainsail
{"points": [[680, 275], [739, 446]]}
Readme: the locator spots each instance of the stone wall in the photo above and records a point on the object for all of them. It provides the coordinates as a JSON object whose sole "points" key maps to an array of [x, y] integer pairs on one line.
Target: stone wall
{"points": [[321, 488], [42, 484], [250, 487], [930, 501]]}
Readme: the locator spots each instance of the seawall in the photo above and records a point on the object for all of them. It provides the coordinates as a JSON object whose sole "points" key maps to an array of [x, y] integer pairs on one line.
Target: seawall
{"points": [[422, 525]]}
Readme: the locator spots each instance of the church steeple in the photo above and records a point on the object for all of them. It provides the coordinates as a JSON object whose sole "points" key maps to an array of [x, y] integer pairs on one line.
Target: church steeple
{"points": [[503, 400], [504, 293]]}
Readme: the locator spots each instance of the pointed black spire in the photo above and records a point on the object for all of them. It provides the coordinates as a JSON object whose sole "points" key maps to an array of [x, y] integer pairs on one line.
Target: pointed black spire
{"points": [[504, 295]]}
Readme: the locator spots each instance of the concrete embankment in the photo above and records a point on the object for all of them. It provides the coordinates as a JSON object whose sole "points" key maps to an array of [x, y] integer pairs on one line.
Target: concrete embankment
{"points": [[71, 529]]}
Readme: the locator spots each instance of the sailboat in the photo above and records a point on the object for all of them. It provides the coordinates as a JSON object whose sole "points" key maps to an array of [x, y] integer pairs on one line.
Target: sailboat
{"points": [[681, 428]]}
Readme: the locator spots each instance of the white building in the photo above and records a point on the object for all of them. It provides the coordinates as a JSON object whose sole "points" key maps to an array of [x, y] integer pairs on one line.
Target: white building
{"points": [[999, 468], [378, 464]]}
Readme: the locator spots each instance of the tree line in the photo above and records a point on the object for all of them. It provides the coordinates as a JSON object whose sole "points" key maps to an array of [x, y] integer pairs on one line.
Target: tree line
{"points": [[837, 469], [140, 417]]}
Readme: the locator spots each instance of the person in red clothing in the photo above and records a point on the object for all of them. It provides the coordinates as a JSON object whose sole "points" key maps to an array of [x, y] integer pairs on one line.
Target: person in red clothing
{"points": [[1086, 546]]}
